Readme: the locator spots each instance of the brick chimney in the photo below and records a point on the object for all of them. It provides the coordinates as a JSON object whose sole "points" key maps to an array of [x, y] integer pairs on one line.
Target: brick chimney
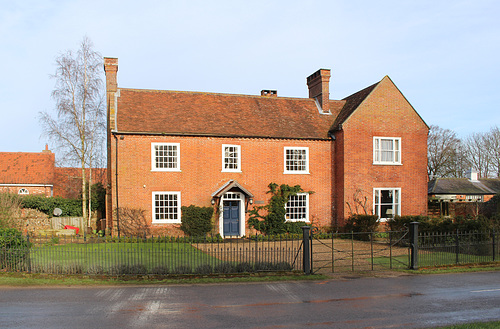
{"points": [[319, 88], [111, 69]]}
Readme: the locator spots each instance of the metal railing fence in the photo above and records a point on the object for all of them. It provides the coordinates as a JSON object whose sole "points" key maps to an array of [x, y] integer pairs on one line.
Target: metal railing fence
{"points": [[155, 256], [454, 248]]}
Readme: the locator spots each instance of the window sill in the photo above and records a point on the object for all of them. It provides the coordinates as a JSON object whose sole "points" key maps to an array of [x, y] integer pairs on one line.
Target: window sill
{"points": [[296, 173], [235, 171], [165, 170], [167, 222], [387, 164]]}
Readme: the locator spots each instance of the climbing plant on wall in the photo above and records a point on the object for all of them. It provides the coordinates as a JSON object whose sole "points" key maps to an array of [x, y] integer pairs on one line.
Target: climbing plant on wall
{"points": [[271, 218]]}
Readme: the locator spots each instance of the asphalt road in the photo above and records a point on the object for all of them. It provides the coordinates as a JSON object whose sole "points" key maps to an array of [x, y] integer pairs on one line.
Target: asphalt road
{"points": [[420, 301]]}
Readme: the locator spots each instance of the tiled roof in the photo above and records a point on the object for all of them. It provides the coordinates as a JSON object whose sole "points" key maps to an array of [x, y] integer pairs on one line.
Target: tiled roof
{"points": [[351, 104], [463, 186], [68, 181], [212, 114], [26, 168]]}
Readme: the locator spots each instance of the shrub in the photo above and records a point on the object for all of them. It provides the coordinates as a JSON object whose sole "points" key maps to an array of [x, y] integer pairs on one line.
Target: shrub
{"points": [[14, 249], [129, 269], [196, 221], [264, 266], [160, 270], [204, 269], [361, 223], [182, 269], [9, 205], [274, 220], [244, 267], [283, 266], [69, 207], [225, 268], [442, 225]]}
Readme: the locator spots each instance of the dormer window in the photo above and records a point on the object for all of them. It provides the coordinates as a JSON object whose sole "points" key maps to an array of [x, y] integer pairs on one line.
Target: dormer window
{"points": [[387, 150]]}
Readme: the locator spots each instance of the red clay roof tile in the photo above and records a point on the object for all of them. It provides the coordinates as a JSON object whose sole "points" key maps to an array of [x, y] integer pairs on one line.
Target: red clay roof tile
{"points": [[198, 113], [26, 168]]}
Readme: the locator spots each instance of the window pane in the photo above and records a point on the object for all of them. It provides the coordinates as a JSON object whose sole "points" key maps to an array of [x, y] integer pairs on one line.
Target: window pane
{"points": [[296, 208], [231, 158], [166, 206], [166, 156], [296, 159]]}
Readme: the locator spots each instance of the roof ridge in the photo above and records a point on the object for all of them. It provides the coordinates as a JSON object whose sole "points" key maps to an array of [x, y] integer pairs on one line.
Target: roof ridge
{"points": [[164, 91]]}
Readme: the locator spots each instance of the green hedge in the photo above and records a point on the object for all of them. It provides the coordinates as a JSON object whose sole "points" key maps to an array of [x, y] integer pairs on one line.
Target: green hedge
{"points": [[14, 249], [69, 207], [444, 225], [196, 221], [362, 223]]}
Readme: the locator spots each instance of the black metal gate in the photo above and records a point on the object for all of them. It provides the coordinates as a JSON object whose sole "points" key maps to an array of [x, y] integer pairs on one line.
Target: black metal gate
{"points": [[357, 252]]}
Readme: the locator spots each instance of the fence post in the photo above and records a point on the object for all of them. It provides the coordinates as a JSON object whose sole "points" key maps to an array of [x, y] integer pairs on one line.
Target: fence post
{"points": [[457, 246], [414, 245], [493, 247], [306, 255], [29, 252]]}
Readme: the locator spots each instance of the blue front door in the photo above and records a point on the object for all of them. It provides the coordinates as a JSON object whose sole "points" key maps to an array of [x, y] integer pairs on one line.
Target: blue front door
{"points": [[231, 218]]}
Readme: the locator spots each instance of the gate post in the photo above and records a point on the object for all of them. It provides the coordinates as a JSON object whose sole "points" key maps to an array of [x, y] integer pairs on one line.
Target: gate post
{"points": [[414, 245], [306, 255]]}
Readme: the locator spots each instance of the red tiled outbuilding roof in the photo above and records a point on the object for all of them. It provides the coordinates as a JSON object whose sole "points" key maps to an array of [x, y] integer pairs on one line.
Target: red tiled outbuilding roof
{"points": [[27, 168], [213, 114]]}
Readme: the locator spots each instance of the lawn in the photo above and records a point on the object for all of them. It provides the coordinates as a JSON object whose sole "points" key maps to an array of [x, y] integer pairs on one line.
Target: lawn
{"points": [[117, 257], [429, 259]]}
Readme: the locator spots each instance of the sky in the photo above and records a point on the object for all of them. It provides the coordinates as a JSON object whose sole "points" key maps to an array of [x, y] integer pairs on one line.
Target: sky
{"points": [[442, 55]]}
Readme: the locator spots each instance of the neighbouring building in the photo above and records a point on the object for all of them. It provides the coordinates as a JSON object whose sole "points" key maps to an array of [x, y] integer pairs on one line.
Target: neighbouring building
{"points": [[451, 197], [167, 149], [36, 173]]}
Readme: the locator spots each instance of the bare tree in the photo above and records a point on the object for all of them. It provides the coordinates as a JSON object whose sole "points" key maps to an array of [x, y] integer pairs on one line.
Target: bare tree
{"points": [[476, 150], [79, 126], [442, 146], [492, 140]]}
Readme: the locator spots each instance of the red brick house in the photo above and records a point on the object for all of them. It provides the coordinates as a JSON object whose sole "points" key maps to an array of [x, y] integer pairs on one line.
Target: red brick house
{"points": [[167, 149], [36, 173]]}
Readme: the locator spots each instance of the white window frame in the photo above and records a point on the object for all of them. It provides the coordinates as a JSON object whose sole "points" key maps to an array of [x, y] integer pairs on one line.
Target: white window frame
{"points": [[395, 204], [289, 206], [177, 207], [285, 160], [154, 165], [238, 158], [396, 151], [23, 191]]}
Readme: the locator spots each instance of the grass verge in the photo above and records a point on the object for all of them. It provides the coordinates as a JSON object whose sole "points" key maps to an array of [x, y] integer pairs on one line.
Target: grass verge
{"points": [[28, 280], [485, 325]]}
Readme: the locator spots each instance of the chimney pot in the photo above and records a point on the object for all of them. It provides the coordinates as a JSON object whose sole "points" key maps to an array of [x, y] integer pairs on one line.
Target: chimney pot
{"points": [[269, 93]]}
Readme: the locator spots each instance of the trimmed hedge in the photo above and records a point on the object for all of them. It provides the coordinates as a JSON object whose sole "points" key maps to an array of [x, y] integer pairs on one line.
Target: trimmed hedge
{"points": [[196, 221], [69, 207], [444, 225], [362, 223]]}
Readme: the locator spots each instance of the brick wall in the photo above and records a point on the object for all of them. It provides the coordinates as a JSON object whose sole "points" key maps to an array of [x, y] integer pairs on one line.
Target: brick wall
{"points": [[385, 113], [200, 176]]}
